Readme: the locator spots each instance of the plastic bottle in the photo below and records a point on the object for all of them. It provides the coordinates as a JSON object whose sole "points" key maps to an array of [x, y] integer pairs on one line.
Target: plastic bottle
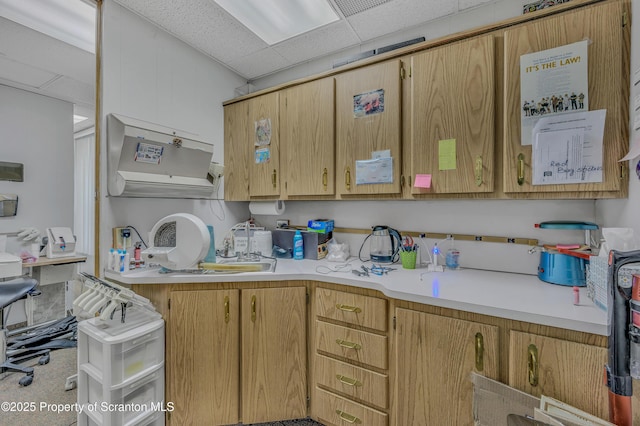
{"points": [[110, 259], [121, 260], [298, 246], [127, 261], [453, 258]]}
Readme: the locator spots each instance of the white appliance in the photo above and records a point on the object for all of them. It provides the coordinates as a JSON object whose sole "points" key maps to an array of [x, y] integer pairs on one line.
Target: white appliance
{"points": [[178, 241], [148, 160], [60, 242]]}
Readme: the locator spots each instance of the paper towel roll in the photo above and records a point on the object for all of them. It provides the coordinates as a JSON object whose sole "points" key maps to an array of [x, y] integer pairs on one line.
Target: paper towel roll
{"points": [[268, 208]]}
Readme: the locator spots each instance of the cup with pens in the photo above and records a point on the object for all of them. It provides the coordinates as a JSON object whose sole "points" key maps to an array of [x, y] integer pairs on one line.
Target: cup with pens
{"points": [[408, 253]]}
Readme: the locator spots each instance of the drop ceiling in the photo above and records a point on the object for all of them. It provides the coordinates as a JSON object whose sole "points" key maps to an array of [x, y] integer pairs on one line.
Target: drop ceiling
{"points": [[33, 61], [206, 26]]}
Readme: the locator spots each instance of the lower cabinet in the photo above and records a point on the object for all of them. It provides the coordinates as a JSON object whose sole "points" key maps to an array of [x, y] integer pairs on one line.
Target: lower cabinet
{"points": [[568, 371], [237, 355], [237, 352], [435, 356]]}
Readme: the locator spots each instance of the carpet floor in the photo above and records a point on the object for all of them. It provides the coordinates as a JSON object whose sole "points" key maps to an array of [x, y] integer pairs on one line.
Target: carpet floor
{"points": [[46, 397], [43, 401]]}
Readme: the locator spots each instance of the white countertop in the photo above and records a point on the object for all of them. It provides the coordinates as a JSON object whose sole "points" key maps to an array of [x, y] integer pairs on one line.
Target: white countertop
{"points": [[506, 295]]}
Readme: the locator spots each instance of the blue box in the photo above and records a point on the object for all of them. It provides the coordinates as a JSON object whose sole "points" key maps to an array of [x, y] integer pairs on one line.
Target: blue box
{"points": [[320, 225]]}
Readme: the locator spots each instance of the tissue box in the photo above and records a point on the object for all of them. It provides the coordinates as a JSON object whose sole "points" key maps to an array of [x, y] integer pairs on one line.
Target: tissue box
{"points": [[315, 243], [320, 225]]}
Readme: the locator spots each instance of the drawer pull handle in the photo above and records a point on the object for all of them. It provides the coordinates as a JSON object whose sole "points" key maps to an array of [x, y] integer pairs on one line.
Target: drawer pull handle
{"points": [[274, 179], [348, 381], [479, 352], [348, 417], [348, 308], [532, 363], [348, 345], [325, 178], [347, 179], [226, 309], [520, 169], [253, 308]]}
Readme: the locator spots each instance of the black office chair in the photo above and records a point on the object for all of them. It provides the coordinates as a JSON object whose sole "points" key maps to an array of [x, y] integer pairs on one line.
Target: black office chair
{"points": [[10, 292], [35, 341]]}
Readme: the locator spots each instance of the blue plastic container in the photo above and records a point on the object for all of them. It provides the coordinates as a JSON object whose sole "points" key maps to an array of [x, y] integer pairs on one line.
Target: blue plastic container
{"points": [[562, 269]]}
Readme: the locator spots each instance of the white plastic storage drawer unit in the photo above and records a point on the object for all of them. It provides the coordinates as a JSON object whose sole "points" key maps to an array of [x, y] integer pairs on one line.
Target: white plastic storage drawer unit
{"points": [[130, 403], [119, 357]]}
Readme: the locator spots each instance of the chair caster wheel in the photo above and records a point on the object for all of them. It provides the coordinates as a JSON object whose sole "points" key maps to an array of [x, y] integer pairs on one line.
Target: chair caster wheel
{"points": [[44, 359], [26, 381]]}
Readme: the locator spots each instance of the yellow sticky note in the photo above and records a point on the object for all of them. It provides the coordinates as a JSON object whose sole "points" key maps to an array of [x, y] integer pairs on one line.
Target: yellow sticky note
{"points": [[447, 154]]}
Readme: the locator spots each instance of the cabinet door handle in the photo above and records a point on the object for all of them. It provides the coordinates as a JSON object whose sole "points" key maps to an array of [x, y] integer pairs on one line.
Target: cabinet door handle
{"points": [[347, 179], [348, 417], [532, 363], [226, 309], [520, 169], [479, 352], [325, 178], [348, 345], [348, 381], [253, 308], [348, 308], [479, 170], [274, 178]]}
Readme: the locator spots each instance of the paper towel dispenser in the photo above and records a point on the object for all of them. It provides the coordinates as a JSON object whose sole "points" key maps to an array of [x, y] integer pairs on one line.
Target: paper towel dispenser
{"points": [[149, 160]]}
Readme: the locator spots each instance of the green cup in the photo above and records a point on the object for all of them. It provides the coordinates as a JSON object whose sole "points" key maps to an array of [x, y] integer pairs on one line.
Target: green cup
{"points": [[408, 259]]}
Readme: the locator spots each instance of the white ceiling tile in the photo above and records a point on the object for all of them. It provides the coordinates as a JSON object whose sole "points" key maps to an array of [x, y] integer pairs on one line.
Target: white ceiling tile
{"points": [[398, 15], [66, 86], [23, 73], [259, 64], [328, 39], [467, 4], [201, 24], [30, 47]]}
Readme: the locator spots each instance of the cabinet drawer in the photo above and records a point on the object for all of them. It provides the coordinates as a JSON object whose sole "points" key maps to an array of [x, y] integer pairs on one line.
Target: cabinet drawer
{"points": [[335, 410], [356, 345], [367, 386], [366, 311]]}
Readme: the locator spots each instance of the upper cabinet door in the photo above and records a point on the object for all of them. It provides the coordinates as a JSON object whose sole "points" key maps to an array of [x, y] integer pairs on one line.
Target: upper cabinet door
{"points": [[602, 25], [452, 107], [264, 145], [236, 152], [368, 125], [307, 123]]}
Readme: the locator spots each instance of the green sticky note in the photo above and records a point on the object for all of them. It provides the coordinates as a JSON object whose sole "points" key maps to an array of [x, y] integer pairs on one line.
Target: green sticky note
{"points": [[447, 154]]}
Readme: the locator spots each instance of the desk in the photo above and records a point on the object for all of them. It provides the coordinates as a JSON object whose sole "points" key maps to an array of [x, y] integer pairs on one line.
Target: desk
{"points": [[52, 276]]}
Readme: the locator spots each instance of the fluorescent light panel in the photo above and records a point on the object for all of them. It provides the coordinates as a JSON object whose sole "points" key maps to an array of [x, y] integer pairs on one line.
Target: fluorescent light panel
{"points": [[78, 118], [70, 21], [277, 20]]}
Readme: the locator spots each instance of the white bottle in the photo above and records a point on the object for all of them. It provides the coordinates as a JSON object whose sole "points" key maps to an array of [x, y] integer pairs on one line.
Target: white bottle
{"points": [[110, 265], [127, 259]]}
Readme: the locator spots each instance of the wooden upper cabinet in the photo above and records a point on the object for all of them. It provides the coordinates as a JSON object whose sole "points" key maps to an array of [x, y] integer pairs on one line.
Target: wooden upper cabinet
{"points": [[602, 24], [236, 152], [307, 123], [368, 120], [452, 107], [264, 145]]}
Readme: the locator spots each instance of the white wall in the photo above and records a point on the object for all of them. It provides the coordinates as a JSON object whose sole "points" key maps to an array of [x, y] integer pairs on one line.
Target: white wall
{"points": [[626, 213], [37, 131], [152, 76]]}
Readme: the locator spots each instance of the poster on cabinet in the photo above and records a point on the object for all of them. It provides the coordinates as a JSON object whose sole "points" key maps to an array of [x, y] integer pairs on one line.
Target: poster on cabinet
{"points": [[552, 82]]}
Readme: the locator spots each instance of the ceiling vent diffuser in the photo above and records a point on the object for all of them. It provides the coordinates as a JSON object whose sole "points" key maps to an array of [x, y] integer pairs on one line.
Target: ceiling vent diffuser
{"points": [[352, 7]]}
